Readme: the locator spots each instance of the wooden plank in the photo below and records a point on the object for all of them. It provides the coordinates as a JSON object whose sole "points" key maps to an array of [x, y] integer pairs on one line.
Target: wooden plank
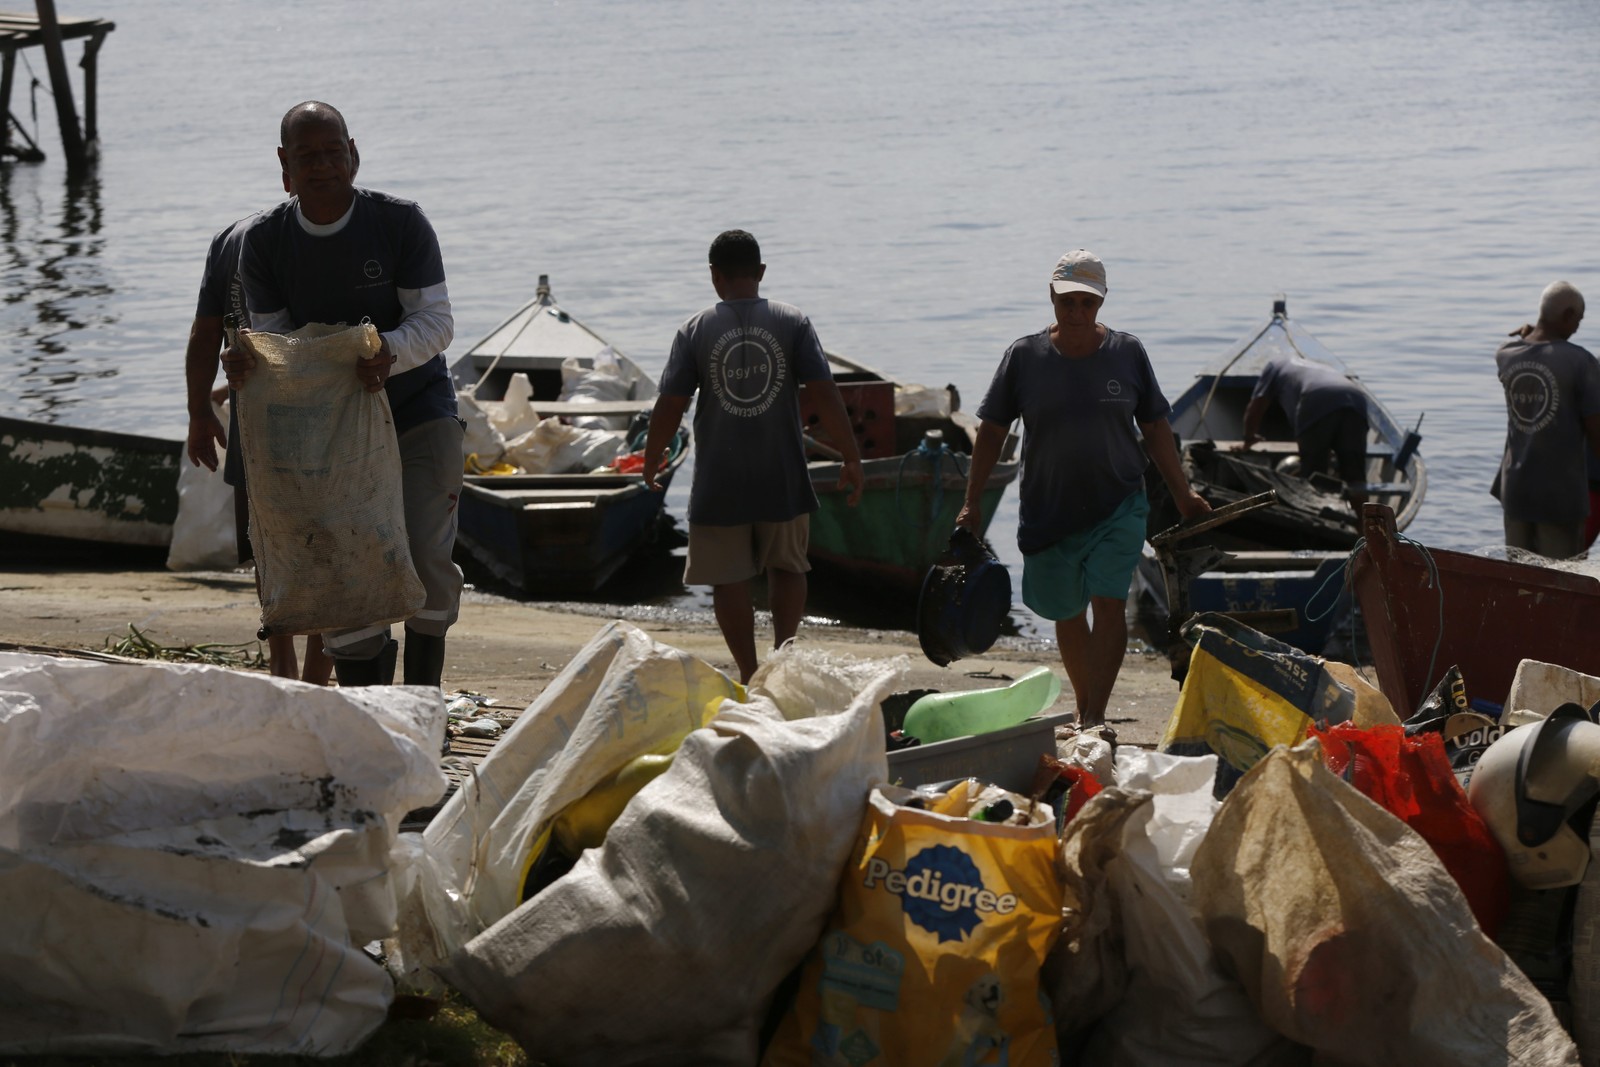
{"points": [[549, 408]]}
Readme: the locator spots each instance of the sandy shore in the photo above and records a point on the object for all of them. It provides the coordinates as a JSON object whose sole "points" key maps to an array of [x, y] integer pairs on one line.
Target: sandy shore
{"points": [[502, 648]]}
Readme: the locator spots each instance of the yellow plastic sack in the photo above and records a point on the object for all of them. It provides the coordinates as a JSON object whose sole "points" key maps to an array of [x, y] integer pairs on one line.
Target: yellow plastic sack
{"points": [[1245, 693], [933, 954]]}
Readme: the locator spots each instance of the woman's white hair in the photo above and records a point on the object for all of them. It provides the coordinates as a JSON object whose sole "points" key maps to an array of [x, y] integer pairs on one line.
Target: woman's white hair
{"points": [[1558, 299]]}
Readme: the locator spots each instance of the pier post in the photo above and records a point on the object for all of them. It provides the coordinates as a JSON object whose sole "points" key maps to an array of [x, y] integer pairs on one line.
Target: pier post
{"points": [[8, 72], [91, 93], [61, 88]]}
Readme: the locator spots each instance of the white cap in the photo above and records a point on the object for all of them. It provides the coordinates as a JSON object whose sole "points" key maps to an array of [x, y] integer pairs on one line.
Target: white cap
{"points": [[1079, 271]]}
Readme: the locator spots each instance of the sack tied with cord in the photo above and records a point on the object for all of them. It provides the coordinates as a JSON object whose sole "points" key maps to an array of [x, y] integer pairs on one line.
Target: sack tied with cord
{"points": [[322, 468]]}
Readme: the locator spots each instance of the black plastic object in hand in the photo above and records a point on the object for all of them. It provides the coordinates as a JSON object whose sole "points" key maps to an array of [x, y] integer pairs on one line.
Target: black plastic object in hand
{"points": [[966, 596]]}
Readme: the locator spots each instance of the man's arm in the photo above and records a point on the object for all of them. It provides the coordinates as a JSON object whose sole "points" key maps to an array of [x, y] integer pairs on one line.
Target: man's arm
{"points": [[836, 424], [427, 326], [985, 454], [1254, 412], [1163, 450], [200, 361], [665, 418]]}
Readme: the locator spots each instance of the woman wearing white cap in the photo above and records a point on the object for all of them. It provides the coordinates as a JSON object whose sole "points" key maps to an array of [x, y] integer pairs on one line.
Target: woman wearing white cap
{"points": [[1086, 394]]}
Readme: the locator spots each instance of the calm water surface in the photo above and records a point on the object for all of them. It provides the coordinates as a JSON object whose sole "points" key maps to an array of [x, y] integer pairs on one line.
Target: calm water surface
{"points": [[1410, 176]]}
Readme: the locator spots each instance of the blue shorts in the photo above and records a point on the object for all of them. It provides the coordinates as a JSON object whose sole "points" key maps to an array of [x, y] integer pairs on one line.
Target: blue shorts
{"points": [[1058, 582]]}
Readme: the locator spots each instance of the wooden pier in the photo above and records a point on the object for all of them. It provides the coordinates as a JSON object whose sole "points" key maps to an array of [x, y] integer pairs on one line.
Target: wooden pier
{"points": [[44, 30]]}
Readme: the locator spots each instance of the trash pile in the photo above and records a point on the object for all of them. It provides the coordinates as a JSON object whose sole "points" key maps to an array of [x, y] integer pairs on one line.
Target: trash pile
{"points": [[507, 436], [657, 865]]}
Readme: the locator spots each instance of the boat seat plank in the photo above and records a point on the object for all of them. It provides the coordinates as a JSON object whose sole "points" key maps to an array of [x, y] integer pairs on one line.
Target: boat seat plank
{"points": [[1274, 447], [549, 408], [1374, 451], [1387, 488]]}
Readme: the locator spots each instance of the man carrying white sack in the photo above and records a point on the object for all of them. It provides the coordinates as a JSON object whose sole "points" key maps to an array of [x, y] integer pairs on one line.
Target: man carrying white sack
{"points": [[334, 253]]}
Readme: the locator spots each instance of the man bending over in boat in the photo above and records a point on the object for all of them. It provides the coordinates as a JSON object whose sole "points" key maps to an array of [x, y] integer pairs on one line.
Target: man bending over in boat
{"points": [[1552, 391], [1080, 389], [1328, 415], [751, 502]]}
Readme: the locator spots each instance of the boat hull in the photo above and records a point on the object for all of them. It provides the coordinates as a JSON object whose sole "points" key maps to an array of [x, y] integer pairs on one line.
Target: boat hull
{"points": [[66, 490], [901, 525], [1428, 609], [914, 479], [1290, 595], [561, 535]]}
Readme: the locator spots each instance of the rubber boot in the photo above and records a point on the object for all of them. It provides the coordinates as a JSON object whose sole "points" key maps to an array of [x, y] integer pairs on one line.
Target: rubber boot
{"points": [[379, 670], [424, 659]]}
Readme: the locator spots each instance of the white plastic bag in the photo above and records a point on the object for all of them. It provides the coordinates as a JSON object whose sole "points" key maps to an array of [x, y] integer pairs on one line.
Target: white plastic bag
{"points": [[804, 681], [512, 415], [1178, 1007], [665, 945], [605, 379], [481, 438], [322, 465], [553, 447], [622, 695], [203, 535], [191, 857]]}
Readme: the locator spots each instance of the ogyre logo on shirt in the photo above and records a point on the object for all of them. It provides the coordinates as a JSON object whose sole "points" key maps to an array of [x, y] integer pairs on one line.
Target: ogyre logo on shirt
{"points": [[1533, 398], [941, 890], [748, 369]]}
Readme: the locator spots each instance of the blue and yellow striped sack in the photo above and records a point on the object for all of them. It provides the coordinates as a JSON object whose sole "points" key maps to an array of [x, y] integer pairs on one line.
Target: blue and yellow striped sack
{"points": [[1245, 693]]}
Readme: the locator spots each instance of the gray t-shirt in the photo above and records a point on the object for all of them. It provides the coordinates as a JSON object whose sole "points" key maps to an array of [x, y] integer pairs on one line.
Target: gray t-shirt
{"points": [[1306, 391], [1081, 454], [747, 358], [1551, 387]]}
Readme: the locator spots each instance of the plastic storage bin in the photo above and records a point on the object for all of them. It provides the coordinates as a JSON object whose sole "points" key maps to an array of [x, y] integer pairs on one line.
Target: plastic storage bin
{"points": [[1007, 758]]}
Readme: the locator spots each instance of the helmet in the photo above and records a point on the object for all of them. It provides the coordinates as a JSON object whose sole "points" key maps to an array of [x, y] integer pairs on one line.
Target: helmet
{"points": [[1527, 786]]}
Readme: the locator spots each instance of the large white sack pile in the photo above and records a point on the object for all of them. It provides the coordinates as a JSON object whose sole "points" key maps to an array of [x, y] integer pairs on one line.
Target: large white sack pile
{"points": [[191, 858]]}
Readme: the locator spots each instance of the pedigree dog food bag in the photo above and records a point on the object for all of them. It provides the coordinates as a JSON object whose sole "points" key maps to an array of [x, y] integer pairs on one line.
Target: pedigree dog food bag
{"points": [[933, 953]]}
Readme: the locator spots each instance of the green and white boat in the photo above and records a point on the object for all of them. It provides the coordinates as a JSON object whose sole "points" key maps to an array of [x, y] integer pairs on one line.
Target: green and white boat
{"points": [[69, 491], [916, 448]]}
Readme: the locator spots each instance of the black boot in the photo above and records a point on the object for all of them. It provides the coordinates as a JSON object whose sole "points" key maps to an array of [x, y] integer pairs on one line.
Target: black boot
{"points": [[424, 659], [379, 670]]}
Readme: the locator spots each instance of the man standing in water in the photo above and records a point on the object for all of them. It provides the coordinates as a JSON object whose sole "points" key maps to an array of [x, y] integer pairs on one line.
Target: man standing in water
{"points": [[751, 503], [1552, 389], [1080, 389], [334, 253]]}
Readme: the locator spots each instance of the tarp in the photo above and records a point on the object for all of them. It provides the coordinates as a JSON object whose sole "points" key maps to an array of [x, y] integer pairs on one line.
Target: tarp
{"points": [[192, 857]]}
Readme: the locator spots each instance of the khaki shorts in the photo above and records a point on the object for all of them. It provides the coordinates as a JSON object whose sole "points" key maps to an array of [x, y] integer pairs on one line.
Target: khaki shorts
{"points": [[722, 555]]}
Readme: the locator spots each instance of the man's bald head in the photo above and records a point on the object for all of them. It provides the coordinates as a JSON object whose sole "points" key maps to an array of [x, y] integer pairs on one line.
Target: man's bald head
{"points": [[311, 111]]}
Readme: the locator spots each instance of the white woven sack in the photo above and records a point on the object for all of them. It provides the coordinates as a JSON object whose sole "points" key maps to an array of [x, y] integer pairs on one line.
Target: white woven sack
{"points": [[322, 465], [191, 857]]}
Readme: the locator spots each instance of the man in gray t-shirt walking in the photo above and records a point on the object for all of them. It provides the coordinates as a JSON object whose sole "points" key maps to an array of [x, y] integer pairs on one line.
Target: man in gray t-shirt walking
{"points": [[1552, 421], [751, 503]]}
